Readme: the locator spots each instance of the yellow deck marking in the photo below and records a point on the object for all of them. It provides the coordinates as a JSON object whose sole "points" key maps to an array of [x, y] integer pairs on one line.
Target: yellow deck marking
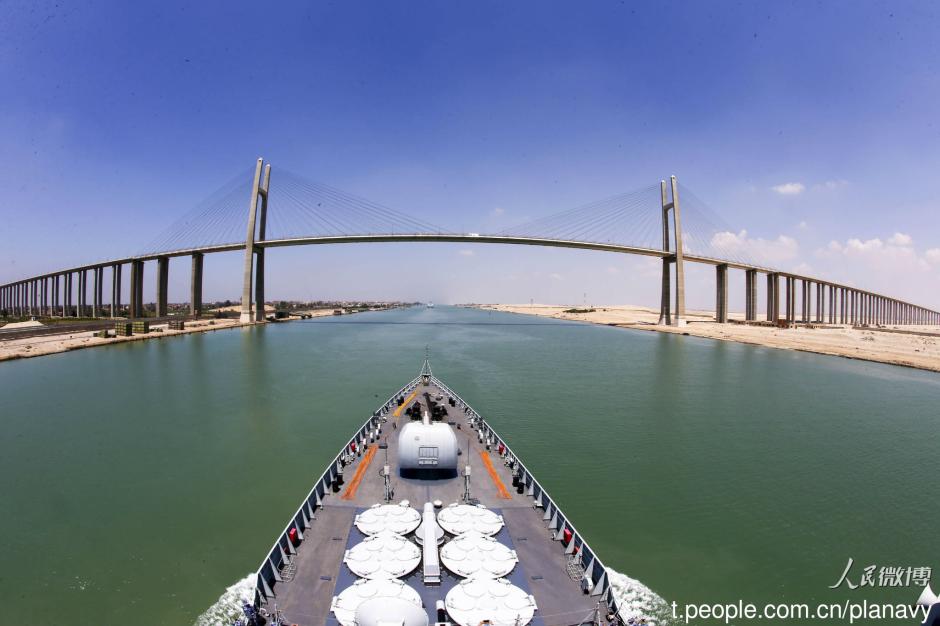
{"points": [[353, 485], [500, 487], [407, 401]]}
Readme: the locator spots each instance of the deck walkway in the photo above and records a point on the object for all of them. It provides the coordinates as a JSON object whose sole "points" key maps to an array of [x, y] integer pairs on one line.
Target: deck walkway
{"points": [[320, 573]]}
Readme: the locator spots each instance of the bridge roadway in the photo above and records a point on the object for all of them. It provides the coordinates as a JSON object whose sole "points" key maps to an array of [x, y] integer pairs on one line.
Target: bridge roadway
{"points": [[854, 305]]}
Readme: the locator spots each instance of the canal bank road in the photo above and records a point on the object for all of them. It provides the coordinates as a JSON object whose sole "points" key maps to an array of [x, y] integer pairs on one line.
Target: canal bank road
{"points": [[145, 480]]}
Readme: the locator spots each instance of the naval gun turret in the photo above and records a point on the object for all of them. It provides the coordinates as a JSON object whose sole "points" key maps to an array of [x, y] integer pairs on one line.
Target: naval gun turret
{"points": [[427, 450]]}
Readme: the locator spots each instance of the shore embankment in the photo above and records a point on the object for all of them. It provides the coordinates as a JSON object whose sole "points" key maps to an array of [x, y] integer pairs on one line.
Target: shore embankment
{"points": [[909, 346], [25, 347]]}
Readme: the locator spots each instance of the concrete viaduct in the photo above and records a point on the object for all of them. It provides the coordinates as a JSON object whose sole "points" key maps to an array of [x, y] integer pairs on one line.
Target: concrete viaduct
{"points": [[822, 301]]}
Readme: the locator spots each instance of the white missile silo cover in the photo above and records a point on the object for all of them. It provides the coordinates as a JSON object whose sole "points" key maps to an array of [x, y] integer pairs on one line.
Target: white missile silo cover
{"points": [[400, 519], [497, 600], [460, 518], [390, 612], [385, 555], [344, 605], [472, 554]]}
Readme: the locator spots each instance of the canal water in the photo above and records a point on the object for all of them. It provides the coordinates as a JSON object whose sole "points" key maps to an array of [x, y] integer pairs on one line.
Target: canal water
{"points": [[141, 480]]}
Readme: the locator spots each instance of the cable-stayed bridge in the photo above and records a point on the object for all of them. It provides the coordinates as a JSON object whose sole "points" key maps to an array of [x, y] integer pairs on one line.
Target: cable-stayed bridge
{"points": [[664, 220]]}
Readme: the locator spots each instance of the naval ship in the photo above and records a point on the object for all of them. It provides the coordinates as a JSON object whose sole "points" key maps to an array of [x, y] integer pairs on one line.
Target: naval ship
{"points": [[427, 516]]}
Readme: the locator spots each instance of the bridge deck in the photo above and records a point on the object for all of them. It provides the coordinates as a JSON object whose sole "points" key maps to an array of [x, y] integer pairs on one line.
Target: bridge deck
{"points": [[320, 572]]}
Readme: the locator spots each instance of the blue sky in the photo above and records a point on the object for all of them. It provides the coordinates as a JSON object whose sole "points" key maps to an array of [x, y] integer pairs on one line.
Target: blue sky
{"points": [[812, 127]]}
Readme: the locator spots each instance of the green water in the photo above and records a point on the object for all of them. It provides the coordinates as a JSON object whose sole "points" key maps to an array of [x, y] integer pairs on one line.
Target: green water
{"points": [[139, 481]]}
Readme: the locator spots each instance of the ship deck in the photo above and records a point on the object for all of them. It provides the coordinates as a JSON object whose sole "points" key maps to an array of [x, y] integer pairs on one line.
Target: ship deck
{"points": [[319, 572]]}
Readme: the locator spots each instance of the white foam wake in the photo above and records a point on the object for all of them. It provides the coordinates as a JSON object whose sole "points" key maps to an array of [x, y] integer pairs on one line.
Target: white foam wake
{"points": [[228, 607], [634, 599]]}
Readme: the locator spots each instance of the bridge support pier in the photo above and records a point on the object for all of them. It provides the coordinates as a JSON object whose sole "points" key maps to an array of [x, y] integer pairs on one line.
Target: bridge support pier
{"points": [[67, 297], [98, 292], [820, 303], [665, 312], [832, 304], [750, 295], [791, 300], [136, 308], [721, 296], [82, 293], [43, 296], [773, 298], [115, 290], [195, 286], [163, 280]]}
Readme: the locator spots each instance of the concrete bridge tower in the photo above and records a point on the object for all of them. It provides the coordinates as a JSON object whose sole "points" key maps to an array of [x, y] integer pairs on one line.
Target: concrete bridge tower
{"points": [[665, 313], [259, 190]]}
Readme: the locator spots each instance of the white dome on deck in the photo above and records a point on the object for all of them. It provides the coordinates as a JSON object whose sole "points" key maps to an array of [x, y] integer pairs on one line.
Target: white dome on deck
{"points": [[497, 600], [396, 518], [385, 555], [472, 554], [363, 590], [390, 612], [460, 518]]}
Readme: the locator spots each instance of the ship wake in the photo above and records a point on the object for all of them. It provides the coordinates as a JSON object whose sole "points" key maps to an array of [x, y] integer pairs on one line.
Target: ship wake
{"points": [[636, 600], [228, 607], [633, 597]]}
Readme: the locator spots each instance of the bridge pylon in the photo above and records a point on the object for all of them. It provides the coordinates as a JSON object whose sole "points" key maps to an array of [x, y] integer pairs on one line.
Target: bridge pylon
{"points": [[670, 201], [256, 209]]}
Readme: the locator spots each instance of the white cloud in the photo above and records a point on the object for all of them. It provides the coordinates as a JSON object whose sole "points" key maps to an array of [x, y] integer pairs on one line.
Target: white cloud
{"points": [[773, 252], [789, 189], [466, 252], [896, 252], [889, 265]]}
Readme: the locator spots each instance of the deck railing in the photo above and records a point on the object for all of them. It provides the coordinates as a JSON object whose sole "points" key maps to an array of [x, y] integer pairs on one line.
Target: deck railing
{"points": [[269, 573], [595, 570]]}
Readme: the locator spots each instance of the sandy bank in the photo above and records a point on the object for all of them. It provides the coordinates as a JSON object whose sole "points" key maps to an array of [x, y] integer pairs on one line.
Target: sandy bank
{"points": [[910, 346], [14, 348]]}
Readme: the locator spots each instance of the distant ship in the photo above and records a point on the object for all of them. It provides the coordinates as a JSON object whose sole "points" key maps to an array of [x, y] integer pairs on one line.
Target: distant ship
{"points": [[398, 530], [430, 305]]}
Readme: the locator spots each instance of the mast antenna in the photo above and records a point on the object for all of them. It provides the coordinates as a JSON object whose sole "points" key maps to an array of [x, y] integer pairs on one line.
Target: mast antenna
{"points": [[426, 373]]}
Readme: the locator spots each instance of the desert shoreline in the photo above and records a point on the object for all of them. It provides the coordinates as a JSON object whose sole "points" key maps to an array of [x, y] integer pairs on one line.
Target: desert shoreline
{"points": [[916, 347], [29, 347]]}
